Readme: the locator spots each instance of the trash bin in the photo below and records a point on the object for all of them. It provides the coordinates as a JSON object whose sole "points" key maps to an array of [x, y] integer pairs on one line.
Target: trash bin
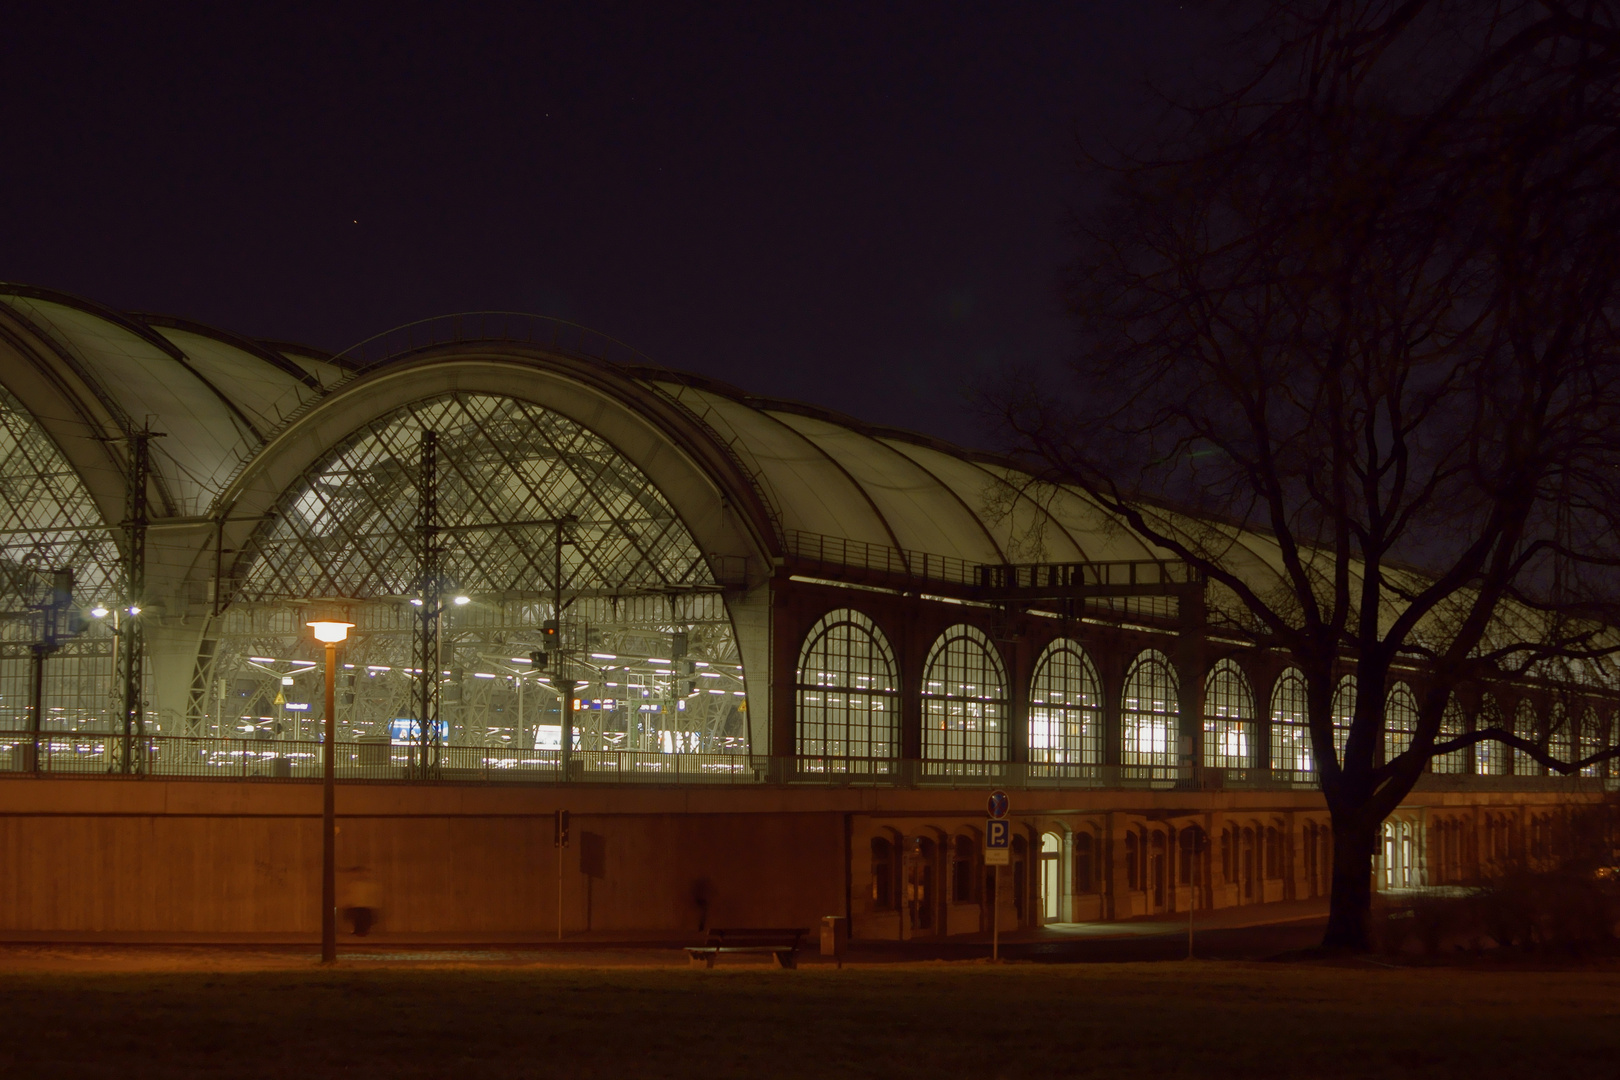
{"points": [[281, 767], [834, 935]]}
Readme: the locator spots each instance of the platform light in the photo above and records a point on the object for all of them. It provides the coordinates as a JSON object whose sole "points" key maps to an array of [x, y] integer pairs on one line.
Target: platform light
{"points": [[416, 601], [461, 600], [133, 609], [99, 612], [330, 632]]}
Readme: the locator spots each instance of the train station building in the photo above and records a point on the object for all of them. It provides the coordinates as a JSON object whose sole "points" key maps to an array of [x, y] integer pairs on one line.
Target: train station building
{"points": [[770, 659]]}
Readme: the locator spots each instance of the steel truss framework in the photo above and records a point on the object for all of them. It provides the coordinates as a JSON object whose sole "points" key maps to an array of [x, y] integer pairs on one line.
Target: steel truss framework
{"points": [[643, 627], [49, 521]]}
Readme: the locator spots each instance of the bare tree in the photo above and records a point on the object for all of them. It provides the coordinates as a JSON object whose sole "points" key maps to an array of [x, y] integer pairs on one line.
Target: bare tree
{"points": [[1364, 310]]}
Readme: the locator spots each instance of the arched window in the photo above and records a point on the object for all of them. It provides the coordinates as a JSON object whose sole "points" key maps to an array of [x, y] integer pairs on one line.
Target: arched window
{"points": [[1491, 758], [1451, 726], [964, 705], [963, 855], [1561, 735], [1400, 720], [1148, 718], [1525, 723], [1344, 714], [1083, 871], [1591, 741], [1065, 707], [637, 591], [1290, 733], [882, 873], [1228, 718], [1192, 847], [848, 696]]}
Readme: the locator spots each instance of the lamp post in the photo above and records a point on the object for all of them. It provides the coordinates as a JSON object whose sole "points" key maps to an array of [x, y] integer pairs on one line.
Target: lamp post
{"points": [[330, 634]]}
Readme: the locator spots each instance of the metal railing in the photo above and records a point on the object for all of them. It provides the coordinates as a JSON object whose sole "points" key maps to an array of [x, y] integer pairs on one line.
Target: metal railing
{"points": [[100, 754], [201, 757], [858, 554]]}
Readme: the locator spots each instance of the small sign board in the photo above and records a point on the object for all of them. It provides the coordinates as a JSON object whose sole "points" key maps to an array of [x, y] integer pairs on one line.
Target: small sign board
{"points": [[997, 842], [998, 804]]}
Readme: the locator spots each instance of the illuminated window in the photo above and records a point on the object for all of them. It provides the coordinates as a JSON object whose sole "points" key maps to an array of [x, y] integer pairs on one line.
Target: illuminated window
{"points": [[1290, 731], [1491, 758], [964, 704], [653, 650], [1451, 726], [1400, 720], [1065, 707], [1228, 718], [1148, 718], [1591, 741], [1525, 724], [848, 696], [1344, 714]]}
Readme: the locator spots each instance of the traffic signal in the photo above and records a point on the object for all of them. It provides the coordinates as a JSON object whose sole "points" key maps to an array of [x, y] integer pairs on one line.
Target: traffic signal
{"points": [[538, 659]]}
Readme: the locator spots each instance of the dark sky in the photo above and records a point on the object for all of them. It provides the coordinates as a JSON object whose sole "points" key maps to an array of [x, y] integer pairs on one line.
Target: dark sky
{"points": [[856, 205]]}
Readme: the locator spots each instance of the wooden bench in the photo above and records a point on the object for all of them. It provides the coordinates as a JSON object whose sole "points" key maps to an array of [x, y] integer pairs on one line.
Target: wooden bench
{"points": [[781, 944]]}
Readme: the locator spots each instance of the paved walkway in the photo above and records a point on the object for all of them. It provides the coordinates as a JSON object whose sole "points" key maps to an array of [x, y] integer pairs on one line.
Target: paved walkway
{"points": [[1246, 932]]}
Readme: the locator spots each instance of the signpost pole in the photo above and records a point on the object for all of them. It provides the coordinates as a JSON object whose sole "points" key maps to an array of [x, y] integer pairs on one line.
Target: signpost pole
{"points": [[995, 922], [997, 842], [559, 838]]}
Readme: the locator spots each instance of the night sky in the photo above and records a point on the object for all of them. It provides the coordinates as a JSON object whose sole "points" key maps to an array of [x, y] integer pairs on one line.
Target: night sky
{"points": [[862, 206]]}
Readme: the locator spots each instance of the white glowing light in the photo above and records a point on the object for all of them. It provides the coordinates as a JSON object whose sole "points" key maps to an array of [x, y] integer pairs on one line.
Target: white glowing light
{"points": [[330, 632]]}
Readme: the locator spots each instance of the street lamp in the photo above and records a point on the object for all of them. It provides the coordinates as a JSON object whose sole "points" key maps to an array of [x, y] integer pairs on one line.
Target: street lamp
{"points": [[330, 634]]}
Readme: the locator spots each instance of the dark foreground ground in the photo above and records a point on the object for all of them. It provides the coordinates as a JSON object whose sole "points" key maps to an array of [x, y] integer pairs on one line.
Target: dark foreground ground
{"points": [[79, 1011]]}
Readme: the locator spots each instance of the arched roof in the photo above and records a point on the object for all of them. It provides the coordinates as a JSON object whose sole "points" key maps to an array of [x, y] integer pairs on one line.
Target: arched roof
{"points": [[215, 397], [221, 399]]}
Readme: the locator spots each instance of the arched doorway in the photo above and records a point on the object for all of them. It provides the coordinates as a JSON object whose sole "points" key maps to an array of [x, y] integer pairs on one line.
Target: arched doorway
{"points": [[1052, 878]]}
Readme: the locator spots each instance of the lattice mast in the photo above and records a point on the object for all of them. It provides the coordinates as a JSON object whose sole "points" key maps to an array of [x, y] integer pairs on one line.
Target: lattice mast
{"points": [[430, 573], [131, 640]]}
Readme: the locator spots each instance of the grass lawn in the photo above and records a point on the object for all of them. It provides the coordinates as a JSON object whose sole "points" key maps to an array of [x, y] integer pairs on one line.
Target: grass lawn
{"points": [[1207, 1019]]}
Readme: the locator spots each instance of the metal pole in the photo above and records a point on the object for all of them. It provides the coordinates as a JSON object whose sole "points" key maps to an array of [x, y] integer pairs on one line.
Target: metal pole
{"points": [[565, 756], [329, 817], [559, 885], [1190, 905], [36, 703]]}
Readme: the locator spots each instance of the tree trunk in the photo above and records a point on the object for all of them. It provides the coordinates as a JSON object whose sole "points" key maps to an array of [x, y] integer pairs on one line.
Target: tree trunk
{"points": [[1351, 906]]}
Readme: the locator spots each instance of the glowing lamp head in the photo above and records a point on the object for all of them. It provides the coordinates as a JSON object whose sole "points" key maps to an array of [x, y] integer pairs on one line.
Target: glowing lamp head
{"points": [[460, 600], [330, 632], [98, 612]]}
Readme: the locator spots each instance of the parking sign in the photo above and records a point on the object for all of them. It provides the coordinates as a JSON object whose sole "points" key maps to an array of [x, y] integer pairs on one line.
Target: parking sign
{"points": [[997, 840]]}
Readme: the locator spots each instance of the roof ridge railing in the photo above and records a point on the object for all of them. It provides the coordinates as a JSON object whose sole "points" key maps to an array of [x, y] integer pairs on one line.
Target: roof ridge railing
{"points": [[729, 447], [884, 559]]}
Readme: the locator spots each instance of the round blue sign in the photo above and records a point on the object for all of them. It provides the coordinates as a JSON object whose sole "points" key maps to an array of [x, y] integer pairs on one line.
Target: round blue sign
{"points": [[998, 804]]}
